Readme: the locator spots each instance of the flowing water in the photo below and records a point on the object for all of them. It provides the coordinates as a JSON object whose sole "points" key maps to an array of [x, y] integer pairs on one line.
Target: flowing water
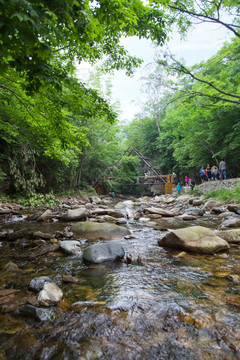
{"points": [[163, 307]]}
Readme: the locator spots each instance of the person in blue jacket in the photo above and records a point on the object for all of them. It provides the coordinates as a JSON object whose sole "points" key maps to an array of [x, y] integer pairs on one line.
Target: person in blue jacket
{"points": [[179, 188]]}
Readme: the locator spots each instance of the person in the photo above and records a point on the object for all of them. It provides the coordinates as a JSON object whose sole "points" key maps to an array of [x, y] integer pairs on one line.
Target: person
{"points": [[216, 173], [201, 172], [174, 177], [205, 174], [223, 169], [209, 173], [146, 177], [186, 180], [179, 188], [192, 184], [137, 180]]}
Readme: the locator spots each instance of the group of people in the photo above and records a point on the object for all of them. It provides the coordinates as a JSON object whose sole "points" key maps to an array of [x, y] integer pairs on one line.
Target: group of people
{"points": [[213, 173], [206, 174]]}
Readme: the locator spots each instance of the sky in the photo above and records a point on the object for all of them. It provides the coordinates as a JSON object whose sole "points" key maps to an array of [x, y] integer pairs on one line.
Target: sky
{"points": [[201, 43]]}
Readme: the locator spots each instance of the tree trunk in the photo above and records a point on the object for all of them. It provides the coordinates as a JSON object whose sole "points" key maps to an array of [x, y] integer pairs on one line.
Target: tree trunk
{"points": [[79, 171]]}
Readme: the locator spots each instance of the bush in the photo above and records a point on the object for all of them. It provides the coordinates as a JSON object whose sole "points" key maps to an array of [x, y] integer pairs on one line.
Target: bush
{"points": [[33, 199], [224, 194]]}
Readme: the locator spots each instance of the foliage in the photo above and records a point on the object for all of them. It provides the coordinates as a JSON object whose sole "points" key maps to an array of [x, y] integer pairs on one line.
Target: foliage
{"points": [[198, 127], [125, 174], [187, 13], [35, 33], [224, 194], [34, 199]]}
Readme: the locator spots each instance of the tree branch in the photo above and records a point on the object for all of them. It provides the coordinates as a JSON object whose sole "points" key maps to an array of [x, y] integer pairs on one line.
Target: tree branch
{"points": [[207, 17]]}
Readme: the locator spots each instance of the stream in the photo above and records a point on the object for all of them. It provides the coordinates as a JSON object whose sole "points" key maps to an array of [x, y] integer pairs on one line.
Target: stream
{"points": [[166, 306]]}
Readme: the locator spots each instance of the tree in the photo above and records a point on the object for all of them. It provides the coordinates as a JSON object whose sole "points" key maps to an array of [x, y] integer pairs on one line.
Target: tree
{"points": [[216, 79], [34, 33]]}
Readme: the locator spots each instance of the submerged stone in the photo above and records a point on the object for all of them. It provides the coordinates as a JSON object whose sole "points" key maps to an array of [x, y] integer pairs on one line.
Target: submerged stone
{"points": [[103, 252]]}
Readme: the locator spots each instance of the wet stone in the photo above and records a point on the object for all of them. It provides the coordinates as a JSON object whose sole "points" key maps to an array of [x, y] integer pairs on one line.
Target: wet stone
{"points": [[37, 283], [103, 252]]}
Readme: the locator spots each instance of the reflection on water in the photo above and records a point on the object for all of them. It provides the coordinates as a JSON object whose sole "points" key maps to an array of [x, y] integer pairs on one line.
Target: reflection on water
{"points": [[165, 307]]}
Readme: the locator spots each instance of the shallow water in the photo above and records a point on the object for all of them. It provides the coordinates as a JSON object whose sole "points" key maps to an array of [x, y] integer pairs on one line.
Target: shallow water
{"points": [[166, 307]]}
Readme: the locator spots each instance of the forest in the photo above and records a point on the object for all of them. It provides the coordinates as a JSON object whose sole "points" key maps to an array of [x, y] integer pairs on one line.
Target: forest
{"points": [[58, 134]]}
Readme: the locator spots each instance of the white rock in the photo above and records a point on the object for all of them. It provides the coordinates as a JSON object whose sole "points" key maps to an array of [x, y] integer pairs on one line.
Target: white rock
{"points": [[71, 247], [50, 295]]}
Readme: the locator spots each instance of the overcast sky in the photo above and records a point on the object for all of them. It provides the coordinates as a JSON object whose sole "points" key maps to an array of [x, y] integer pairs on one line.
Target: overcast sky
{"points": [[201, 44]]}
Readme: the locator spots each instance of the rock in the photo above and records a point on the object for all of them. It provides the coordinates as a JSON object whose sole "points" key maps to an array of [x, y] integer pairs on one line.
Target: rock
{"points": [[187, 217], [103, 252], [110, 212], [51, 294], [76, 214], [95, 199], [197, 202], [7, 295], [158, 198], [37, 313], [184, 198], [169, 200], [69, 279], [121, 221], [124, 204], [211, 203], [231, 222], [154, 216], [71, 247], [144, 219], [217, 210], [181, 254], [160, 211], [94, 230], [10, 266], [196, 239], [47, 215], [226, 214], [194, 211], [130, 213], [37, 283], [40, 251], [234, 278], [110, 218], [231, 236], [234, 208]]}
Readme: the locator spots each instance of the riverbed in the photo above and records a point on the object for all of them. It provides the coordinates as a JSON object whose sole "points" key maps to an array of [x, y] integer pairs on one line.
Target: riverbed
{"points": [[162, 305]]}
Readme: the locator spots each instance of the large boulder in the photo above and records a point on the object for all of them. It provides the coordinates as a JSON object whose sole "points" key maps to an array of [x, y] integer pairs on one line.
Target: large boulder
{"points": [[196, 239], [75, 214], [93, 230], [103, 252]]}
